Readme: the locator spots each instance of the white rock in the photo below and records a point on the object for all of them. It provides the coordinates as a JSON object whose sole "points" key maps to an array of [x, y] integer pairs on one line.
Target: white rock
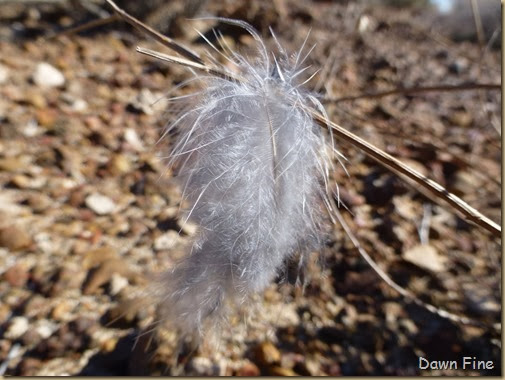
{"points": [[79, 105], [4, 74], [45, 328], [201, 366], [44, 242], [117, 283], [100, 204], [149, 102], [31, 129], [133, 139], [17, 327], [166, 241], [47, 75], [189, 228], [364, 23]]}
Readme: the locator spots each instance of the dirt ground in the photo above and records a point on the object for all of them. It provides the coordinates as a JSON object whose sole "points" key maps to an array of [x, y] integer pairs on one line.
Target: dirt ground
{"points": [[89, 212]]}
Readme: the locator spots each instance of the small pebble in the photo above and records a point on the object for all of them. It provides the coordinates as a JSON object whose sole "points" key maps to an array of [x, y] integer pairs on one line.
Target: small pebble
{"points": [[36, 307], [201, 366], [109, 345], [117, 283], [76, 104], [5, 313], [45, 328], [28, 366], [79, 105], [16, 275], [100, 204], [31, 337], [102, 274], [461, 118], [98, 256], [4, 74], [132, 138], [267, 354], [38, 202], [61, 311], [248, 369], [166, 241], [279, 371], [35, 98], [14, 238], [17, 327], [24, 182], [119, 164], [148, 102], [189, 228], [47, 76], [31, 129], [66, 280], [13, 164], [46, 117], [458, 66]]}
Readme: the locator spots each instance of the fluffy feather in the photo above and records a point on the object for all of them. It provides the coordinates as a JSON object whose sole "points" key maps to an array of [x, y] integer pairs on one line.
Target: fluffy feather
{"points": [[253, 168]]}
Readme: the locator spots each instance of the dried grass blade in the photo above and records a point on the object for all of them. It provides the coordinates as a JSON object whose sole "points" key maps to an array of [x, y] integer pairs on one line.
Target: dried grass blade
{"points": [[185, 62], [164, 40], [417, 90], [431, 186]]}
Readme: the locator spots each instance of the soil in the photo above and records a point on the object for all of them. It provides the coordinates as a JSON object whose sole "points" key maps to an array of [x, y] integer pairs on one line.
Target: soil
{"points": [[89, 211]]}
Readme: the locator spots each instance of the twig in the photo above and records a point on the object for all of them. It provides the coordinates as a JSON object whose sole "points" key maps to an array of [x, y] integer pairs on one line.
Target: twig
{"points": [[164, 40], [392, 163], [85, 26], [415, 90], [187, 63], [437, 144]]}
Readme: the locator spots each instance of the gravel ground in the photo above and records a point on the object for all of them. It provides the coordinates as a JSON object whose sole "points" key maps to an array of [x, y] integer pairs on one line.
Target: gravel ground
{"points": [[89, 212]]}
